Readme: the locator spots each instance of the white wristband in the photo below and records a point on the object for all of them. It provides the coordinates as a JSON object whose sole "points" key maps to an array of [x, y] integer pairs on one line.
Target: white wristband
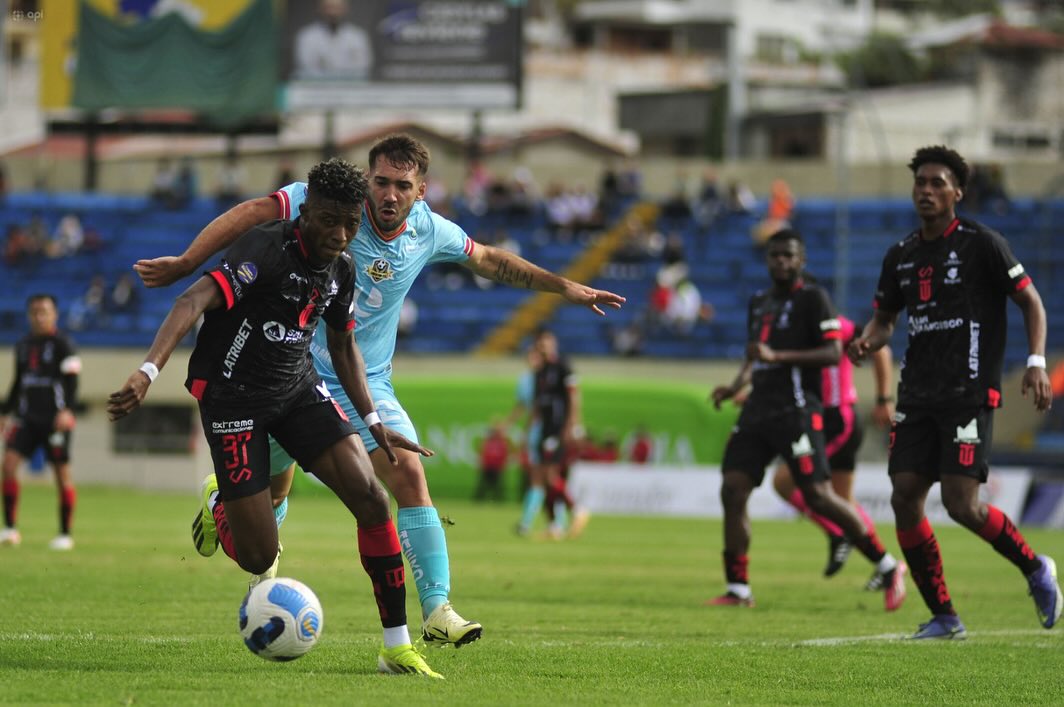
{"points": [[150, 370], [1036, 361], [372, 419]]}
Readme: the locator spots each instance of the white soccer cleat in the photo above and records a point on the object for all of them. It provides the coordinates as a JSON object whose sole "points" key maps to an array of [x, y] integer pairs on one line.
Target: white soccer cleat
{"points": [[62, 542], [444, 625], [10, 536]]}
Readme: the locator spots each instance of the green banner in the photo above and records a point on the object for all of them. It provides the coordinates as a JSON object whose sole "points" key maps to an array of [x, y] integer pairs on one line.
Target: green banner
{"points": [[452, 416], [229, 75]]}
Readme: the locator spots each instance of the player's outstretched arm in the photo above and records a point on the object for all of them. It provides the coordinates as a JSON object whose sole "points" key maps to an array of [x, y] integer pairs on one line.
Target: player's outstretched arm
{"points": [[727, 392], [204, 294], [1035, 378], [216, 236], [510, 269]]}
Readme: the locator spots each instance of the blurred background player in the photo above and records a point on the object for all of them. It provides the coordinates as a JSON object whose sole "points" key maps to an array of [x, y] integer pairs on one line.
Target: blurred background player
{"points": [[398, 238], [792, 333], [557, 414], [843, 434], [952, 277], [253, 377], [41, 399], [494, 455]]}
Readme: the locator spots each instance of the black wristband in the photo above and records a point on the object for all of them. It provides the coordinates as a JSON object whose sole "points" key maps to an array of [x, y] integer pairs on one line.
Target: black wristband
{"points": [[884, 399]]}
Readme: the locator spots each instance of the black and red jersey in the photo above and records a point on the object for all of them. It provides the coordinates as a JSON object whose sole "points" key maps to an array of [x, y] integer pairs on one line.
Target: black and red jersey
{"points": [[552, 383], [804, 318], [257, 347], [46, 377], [954, 290]]}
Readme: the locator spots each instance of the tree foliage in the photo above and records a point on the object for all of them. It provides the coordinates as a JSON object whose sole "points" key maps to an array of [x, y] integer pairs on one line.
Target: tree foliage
{"points": [[883, 60]]}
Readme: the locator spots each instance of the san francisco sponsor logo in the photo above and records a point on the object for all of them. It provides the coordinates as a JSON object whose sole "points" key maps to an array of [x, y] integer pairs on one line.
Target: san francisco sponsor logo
{"points": [[924, 324]]}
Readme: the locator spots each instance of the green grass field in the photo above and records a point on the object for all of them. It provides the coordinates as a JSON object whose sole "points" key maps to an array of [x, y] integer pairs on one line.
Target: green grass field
{"points": [[135, 616]]}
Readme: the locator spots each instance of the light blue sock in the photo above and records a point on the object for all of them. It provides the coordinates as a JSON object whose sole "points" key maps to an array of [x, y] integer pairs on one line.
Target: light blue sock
{"points": [[425, 548], [561, 515], [533, 502], [281, 512]]}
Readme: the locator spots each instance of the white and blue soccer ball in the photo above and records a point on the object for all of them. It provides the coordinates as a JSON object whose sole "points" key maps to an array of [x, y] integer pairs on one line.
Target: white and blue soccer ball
{"points": [[280, 619]]}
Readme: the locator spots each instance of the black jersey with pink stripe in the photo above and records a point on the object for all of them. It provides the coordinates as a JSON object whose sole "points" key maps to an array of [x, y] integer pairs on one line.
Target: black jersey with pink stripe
{"points": [[954, 290], [257, 347]]}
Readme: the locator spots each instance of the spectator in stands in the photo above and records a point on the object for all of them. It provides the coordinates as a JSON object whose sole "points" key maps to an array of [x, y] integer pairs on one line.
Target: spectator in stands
{"points": [[740, 199], [685, 308], [642, 446], [630, 180], [231, 182], [187, 184], [18, 247], [986, 190], [88, 311], [642, 244], [710, 202], [524, 193], [125, 298], [67, 238], [610, 190], [475, 187], [778, 214], [164, 184], [677, 205], [627, 340], [494, 455], [37, 233]]}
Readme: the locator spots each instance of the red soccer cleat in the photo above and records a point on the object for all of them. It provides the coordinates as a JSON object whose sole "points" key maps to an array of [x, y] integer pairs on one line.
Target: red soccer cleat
{"points": [[730, 599], [894, 595]]}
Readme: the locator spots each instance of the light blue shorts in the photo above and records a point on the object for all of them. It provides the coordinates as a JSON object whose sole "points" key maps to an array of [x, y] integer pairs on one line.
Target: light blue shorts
{"points": [[392, 415]]}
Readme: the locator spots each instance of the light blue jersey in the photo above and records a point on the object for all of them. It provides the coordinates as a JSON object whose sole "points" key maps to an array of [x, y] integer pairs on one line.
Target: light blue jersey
{"points": [[385, 270]]}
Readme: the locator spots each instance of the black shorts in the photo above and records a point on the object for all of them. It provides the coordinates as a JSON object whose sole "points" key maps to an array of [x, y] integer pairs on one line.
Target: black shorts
{"points": [[305, 424], [797, 436], [25, 436], [932, 442], [843, 434], [552, 448]]}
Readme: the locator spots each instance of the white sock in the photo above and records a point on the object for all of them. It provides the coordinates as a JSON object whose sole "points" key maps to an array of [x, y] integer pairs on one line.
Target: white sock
{"points": [[396, 636], [740, 590], [886, 564]]}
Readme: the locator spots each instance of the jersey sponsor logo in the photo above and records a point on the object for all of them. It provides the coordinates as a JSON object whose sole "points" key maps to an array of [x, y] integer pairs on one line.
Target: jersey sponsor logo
{"points": [[952, 276], [231, 426], [304, 316], [1016, 270], [247, 272], [298, 278], [830, 325], [966, 454], [923, 324], [973, 350], [953, 259], [380, 270], [323, 390], [925, 282], [803, 447], [274, 331], [235, 348]]}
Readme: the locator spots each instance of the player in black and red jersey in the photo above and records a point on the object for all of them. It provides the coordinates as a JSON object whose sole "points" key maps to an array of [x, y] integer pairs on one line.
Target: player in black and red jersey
{"points": [[792, 334], [253, 376], [952, 276], [41, 398]]}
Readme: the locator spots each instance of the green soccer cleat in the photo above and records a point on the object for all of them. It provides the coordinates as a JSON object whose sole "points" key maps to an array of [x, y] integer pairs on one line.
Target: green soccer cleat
{"points": [[404, 659], [444, 625], [204, 532], [268, 574]]}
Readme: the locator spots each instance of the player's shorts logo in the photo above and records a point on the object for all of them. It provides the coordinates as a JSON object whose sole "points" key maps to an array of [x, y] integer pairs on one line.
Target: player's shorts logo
{"points": [[380, 270], [247, 272]]}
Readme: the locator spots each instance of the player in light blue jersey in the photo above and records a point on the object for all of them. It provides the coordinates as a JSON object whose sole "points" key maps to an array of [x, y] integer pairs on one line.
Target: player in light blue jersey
{"points": [[399, 236]]}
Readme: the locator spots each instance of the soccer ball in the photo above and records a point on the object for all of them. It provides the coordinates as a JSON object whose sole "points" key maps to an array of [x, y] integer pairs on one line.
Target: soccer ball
{"points": [[280, 619]]}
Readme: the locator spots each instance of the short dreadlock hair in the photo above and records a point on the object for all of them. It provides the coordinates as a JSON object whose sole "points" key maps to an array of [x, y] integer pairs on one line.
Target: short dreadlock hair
{"points": [[940, 154], [338, 180]]}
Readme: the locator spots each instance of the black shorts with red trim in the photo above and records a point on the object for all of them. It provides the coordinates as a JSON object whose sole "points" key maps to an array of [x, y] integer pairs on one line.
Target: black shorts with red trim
{"points": [[797, 436], [933, 442], [305, 424], [26, 436]]}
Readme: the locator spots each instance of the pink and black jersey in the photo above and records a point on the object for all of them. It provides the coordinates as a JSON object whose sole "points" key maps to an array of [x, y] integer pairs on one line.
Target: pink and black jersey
{"points": [[954, 290], [257, 347], [838, 388], [803, 319]]}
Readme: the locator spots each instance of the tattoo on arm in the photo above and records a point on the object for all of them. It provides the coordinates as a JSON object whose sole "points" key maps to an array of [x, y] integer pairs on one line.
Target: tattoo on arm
{"points": [[509, 275]]}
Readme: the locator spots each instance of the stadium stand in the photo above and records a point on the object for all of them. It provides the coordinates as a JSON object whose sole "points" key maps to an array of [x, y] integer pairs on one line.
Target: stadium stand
{"points": [[457, 315]]}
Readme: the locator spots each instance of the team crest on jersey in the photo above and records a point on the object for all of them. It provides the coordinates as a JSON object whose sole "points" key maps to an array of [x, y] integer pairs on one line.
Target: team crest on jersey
{"points": [[247, 272], [380, 270]]}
